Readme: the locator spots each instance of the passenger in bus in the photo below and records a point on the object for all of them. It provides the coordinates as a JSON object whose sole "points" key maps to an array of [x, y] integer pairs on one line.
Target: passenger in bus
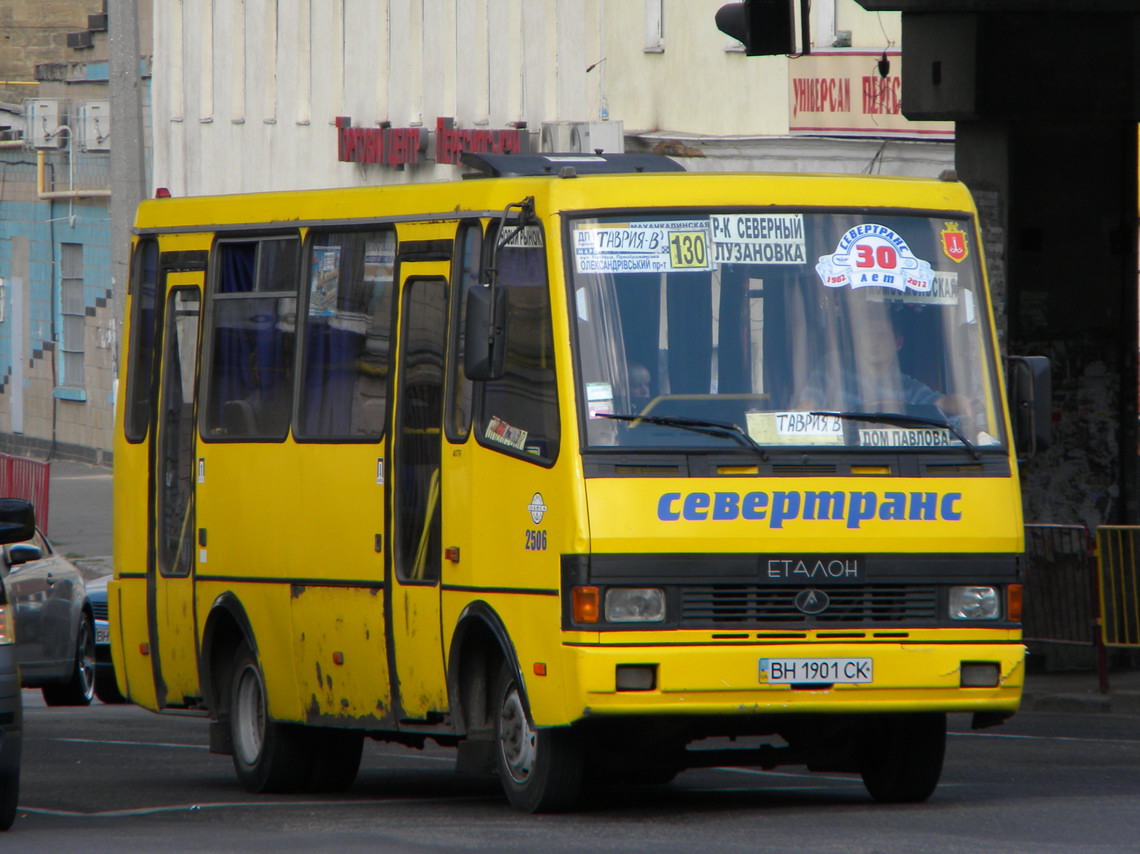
{"points": [[639, 391], [873, 380]]}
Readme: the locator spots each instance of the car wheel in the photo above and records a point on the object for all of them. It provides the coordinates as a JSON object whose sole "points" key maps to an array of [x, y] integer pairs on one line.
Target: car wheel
{"points": [[540, 769], [9, 793], [268, 756], [79, 689]]}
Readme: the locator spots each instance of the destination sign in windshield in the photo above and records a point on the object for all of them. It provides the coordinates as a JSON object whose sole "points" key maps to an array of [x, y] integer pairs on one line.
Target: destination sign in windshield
{"points": [[665, 246]]}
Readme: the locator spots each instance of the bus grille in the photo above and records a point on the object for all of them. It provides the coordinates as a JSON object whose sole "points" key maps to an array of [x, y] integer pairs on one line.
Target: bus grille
{"points": [[748, 604]]}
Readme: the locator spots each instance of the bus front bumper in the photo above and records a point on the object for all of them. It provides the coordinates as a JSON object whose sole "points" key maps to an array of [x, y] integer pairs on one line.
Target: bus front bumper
{"points": [[815, 678]]}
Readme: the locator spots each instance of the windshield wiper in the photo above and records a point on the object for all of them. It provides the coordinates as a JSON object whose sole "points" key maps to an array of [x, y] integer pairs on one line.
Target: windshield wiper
{"points": [[900, 419], [697, 425]]}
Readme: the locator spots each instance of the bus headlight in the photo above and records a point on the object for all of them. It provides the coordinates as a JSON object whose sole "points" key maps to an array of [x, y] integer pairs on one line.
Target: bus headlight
{"points": [[635, 605], [974, 603]]}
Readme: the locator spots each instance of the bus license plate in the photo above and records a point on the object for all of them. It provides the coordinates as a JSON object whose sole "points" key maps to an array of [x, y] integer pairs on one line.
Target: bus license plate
{"points": [[815, 671]]}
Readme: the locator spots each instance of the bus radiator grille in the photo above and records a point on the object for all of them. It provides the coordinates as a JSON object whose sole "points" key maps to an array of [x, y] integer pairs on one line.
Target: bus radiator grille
{"points": [[749, 604]]}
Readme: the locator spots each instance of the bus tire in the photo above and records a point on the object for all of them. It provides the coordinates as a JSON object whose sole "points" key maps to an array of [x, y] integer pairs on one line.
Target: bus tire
{"points": [[268, 756], [540, 769], [79, 689], [9, 794], [902, 757], [107, 690], [336, 759]]}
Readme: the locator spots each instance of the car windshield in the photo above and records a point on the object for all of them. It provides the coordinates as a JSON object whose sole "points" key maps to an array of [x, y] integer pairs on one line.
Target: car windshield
{"points": [[760, 329]]}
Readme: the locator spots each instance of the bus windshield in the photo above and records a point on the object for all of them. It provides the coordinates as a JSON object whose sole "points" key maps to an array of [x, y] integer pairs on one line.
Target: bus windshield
{"points": [[755, 329]]}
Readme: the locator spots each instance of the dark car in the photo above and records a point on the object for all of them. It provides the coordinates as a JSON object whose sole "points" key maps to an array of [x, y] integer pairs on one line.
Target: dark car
{"points": [[55, 630], [17, 522], [10, 714], [105, 687]]}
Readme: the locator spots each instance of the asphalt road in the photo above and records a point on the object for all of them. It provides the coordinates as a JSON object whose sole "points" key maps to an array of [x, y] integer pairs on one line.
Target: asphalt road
{"points": [[79, 523], [119, 779]]}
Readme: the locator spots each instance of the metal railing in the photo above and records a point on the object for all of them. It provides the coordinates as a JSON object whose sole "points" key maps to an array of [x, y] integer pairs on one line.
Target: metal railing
{"points": [[1118, 549], [1060, 585], [30, 480], [1062, 600]]}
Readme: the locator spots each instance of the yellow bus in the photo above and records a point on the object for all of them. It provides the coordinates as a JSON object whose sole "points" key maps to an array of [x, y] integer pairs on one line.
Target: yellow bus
{"points": [[589, 466]]}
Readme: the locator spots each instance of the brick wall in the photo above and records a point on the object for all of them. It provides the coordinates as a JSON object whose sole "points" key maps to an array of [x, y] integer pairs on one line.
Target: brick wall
{"points": [[33, 32]]}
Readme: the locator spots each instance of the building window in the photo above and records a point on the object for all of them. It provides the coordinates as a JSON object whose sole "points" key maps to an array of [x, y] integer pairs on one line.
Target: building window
{"points": [[73, 315], [654, 26]]}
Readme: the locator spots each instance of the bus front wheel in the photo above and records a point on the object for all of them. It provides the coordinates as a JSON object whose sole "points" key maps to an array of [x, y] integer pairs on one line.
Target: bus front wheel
{"points": [[902, 756], [540, 769], [268, 756]]}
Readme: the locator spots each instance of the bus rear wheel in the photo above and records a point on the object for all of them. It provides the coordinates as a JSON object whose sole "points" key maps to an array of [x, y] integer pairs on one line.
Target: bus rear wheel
{"points": [[268, 756], [540, 769], [902, 755]]}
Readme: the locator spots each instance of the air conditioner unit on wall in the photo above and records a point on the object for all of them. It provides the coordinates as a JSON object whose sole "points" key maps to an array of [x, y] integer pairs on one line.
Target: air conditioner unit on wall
{"points": [[45, 118], [584, 137], [93, 125]]}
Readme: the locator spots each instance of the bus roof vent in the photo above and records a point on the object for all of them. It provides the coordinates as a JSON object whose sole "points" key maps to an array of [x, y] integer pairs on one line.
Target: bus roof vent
{"points": [[524, 165]]}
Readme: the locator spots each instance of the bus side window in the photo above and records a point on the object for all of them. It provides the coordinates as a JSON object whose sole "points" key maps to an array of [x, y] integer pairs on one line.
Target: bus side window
{"points": [[347, 329], [144, 329], [253, 332], [466, 273], [519, 412]]}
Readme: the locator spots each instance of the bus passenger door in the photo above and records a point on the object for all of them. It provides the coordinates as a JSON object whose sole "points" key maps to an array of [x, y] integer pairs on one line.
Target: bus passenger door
{"points": [[173, 623], [415, 487]]}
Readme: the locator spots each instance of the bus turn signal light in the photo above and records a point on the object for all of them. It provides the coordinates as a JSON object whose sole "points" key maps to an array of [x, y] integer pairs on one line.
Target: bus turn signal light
{"points": [[1013, 602], [585, 601]]}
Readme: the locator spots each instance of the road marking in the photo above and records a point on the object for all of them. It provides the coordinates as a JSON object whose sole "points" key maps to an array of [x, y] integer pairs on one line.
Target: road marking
{"points": [[396, 756], [806, 776], [1131, 741], [130, 743], [172, 808]]}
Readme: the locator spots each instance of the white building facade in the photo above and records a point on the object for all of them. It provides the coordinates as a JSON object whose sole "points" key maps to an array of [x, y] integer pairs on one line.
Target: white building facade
{"points": [[252, 95]]}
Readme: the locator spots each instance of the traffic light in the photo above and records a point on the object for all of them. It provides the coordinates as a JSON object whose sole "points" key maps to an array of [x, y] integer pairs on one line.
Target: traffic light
{"points": [[766, 27]]}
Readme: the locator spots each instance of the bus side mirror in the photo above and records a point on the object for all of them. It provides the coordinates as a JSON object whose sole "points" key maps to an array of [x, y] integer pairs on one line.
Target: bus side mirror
{"points": [[485, 333], [1031, 403], [17, 520], [23, 553]]}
